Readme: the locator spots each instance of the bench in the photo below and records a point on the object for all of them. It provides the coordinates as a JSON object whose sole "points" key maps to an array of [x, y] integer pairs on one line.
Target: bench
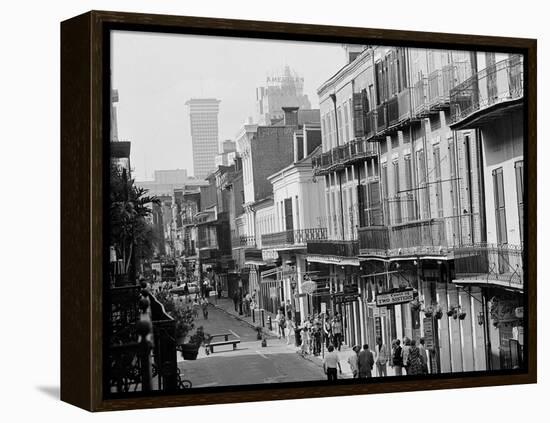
{"points": [[210, 346], [225, 335]]}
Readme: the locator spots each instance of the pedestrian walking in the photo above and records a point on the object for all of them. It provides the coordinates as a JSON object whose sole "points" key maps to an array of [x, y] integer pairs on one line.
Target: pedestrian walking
{"points": [[365, 362], [381, 357], [331, 364], [304, 335], [406, 349], [327, 331], [281, 323], [353, 361], [236, 300], [337, 331], [414, 362], [204, 306], [423, 356], [397, 358], [289, 330], [195, 307]]}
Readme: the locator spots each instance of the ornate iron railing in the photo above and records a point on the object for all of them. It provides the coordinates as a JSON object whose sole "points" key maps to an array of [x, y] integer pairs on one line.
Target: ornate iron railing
{"points": [[381, 119], [370, 124], [420, 97], [293, 237], [493, 85], [243, 241], [430, 236], [392, 108], [494, 262], [342, 155]]}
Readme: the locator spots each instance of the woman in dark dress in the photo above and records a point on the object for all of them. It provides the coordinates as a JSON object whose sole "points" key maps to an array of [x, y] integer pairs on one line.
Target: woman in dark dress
{"points": [[414, 360]]}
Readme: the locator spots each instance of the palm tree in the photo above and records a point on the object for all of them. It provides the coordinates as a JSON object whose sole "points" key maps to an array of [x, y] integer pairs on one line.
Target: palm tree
{"points": [[129, 209]]}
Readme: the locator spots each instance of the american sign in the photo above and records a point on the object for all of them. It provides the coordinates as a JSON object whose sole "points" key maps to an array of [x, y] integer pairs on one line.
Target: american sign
{"points": [[390, 298]]}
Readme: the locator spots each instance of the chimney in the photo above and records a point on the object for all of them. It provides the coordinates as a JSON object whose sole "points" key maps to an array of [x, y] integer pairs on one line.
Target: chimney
{"points": [[291, 116]]}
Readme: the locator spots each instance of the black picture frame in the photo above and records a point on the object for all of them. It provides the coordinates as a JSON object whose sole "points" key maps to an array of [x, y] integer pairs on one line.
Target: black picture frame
{"points": [[84, 128]]}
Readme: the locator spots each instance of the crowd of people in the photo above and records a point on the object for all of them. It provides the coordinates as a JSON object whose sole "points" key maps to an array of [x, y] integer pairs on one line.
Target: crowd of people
{"points": [[410, 358]]}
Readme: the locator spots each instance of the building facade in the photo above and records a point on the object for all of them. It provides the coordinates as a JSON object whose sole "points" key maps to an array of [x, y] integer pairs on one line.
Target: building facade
{"points": [[203, 117], [490, 103], [406, 190]]}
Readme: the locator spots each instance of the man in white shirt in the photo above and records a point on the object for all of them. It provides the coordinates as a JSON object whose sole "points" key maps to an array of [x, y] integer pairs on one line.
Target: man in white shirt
{"points": [[381, 357], [331, 364]]}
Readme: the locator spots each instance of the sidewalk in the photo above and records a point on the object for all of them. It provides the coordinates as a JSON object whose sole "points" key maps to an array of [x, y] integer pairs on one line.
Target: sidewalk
{"points": [[255, 319]]}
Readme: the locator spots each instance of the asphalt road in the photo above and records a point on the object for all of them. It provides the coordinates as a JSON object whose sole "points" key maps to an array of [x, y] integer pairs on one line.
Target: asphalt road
{"points": [[250, 363]]}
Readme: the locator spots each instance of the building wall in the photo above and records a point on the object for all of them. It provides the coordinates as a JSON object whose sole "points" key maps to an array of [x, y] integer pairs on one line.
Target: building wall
{"points": [[307, 196], [271, 150], [265, 221], [503, 148]]}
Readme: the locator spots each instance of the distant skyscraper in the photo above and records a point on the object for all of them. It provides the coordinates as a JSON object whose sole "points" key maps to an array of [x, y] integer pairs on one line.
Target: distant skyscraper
{"points": [[203, 115], [114, 120], [286, 90]]}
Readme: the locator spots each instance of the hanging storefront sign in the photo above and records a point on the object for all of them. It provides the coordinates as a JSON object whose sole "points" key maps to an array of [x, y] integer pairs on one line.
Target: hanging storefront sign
{"points": [[323, 308], [273, 292], [341, 298], [429, 341], [396, 297]]}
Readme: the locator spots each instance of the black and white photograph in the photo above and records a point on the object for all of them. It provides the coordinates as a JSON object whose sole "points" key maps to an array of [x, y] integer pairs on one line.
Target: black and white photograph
{"points": [[286, 212]]}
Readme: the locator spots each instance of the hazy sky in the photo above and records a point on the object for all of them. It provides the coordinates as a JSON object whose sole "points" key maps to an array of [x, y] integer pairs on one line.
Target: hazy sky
{"points": [[155, 74]]}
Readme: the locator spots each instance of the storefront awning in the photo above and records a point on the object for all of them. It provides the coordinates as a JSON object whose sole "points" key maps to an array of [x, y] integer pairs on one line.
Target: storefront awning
{"points": [[341, 261], [480, 280]]}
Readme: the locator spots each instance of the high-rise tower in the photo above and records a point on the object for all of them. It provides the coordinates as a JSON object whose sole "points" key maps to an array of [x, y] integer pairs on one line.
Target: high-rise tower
{"points": [[203, 115]]}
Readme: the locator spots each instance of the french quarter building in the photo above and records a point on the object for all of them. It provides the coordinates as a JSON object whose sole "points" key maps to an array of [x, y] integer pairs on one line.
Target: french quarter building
{"points": [[417, 147]]}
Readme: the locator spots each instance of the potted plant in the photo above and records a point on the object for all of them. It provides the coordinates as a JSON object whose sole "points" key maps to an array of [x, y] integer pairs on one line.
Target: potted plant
{"points": [[190, 350], [462, 315], [415, 305], [438, 313], [429, 311], [451, 311]]}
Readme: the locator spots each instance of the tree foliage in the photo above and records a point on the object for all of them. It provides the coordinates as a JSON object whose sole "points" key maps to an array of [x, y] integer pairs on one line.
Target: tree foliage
{"points": [[131, 234]]}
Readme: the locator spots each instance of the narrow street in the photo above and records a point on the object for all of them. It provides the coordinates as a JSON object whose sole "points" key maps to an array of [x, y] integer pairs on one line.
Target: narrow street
{"points": [[250, 363]]}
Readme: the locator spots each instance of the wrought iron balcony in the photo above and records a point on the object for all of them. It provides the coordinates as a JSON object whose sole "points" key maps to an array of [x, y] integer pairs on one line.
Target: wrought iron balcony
{"points": [[243, 241], [412, 238], [420, 98], [404, 105], [495, 264], [440, 83], [495, 86], [370, 124], [355, 150], [381, 119], [293, 238], [392, 109], [333, 248]]}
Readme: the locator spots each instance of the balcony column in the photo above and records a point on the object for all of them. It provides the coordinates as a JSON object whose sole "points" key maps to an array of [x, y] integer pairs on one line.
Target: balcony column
{"points": [[295, 140], [304, 144]]}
